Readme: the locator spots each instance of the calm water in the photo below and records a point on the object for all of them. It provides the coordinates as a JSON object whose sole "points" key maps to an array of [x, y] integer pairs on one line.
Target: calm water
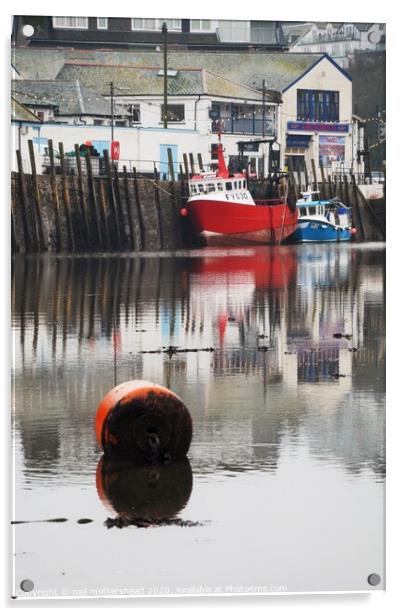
{"points": [[284, 485]]}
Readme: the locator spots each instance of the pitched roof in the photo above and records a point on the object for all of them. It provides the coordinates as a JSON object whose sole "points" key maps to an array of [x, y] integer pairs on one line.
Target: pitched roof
{"points": [[69, 97], [19, 113], [148, 81], [279, 69], [296, 29]]}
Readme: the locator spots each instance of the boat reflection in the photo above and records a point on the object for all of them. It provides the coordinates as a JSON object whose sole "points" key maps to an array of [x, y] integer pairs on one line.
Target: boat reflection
{"points": [[143, 495]]}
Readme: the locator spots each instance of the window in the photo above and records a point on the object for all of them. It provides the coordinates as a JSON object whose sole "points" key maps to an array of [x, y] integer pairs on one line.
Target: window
{"points": [[134, 112], [138, 23], [201, 188], [234, 30], [214, 151], [219, 186], [318, 105], [101, 23], [70, 22], [210, 187], [200, 25], [303, 211], [143, 24], [228, 185], [120, 123], [175, 113], [98, 122]]}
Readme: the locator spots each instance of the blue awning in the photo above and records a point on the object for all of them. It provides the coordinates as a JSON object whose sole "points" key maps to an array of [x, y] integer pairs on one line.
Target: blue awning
{"points": [[297, 141]]}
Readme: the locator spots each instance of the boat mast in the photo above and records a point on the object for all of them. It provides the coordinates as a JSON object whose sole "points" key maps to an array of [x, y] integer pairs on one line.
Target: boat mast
{"points": [[223, 171]]}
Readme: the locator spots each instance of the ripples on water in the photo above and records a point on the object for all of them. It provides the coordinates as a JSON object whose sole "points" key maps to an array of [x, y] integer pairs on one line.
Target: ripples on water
{"points": [[287, 460]]}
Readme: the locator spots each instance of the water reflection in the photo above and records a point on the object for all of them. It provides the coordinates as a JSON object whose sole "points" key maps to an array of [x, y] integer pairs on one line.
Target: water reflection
{"points": [[276, 376], [143, 495]]}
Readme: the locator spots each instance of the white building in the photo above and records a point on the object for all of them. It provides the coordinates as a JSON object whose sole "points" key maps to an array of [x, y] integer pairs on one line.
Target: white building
{"points": [[338, 40], [308, 105]]}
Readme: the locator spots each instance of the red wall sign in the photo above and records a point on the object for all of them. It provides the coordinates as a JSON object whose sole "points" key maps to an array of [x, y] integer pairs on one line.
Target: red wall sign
{"points": [[115, 150]]}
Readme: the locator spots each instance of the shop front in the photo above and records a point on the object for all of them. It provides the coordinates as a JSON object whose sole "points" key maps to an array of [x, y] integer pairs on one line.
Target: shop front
{"points": [[324, 142]]}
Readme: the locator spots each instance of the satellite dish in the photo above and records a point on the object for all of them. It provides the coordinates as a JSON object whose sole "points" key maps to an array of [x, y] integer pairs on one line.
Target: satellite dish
{"points": [[374, 37], [28, 30]]}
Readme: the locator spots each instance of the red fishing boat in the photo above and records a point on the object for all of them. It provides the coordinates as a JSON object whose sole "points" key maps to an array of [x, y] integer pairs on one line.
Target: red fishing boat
{"points": [[222, 211]]}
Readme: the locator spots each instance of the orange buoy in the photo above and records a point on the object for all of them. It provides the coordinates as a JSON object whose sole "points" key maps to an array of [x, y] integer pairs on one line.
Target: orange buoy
{"points": [[142, 421]]}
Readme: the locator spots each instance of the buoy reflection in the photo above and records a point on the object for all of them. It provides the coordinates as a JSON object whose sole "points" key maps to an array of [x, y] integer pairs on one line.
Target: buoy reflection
{"points": [[143, 496]]}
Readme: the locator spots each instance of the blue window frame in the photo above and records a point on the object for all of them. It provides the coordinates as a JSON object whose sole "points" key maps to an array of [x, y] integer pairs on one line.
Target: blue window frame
{"points": [[318, 105]]}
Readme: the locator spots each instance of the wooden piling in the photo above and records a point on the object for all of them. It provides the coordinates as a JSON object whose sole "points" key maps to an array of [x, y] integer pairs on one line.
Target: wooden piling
{"points": [[183, 187], [130, 216], [141, 235], [323, 183], [104, 214], [112, 199], [306, 178], [330, 191], [28, 240], [191, 156], [315, 184], [66, 199], [93, 203], [55, 197], [177, 222], [356, 213], [299, 180], [158, 208], [82, 204], [185, 160], [43, 245], [122, 217]]}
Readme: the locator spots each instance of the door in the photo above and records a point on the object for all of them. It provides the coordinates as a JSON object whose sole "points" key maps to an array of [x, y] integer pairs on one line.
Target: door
{"points": [[164, 168]]}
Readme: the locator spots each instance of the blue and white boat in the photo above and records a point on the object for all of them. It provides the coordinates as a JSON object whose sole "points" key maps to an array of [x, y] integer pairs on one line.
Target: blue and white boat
{"points": [[322, 220]]}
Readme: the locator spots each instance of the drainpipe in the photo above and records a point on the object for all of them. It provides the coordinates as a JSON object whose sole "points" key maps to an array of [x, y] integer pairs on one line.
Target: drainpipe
{"points": [[195, 111]]}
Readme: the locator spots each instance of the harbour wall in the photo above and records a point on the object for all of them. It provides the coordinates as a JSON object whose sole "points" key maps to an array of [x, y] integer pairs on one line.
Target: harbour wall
{"points": [[76, 210]]}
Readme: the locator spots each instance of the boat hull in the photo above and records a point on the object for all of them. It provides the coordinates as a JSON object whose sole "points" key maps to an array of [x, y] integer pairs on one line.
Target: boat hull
{"points": [[313, 231], [218, 223]]}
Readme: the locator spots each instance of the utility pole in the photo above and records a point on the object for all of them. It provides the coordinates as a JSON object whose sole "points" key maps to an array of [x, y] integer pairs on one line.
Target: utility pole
{"points": [[165, 111], [263, 109], [112, 108]]}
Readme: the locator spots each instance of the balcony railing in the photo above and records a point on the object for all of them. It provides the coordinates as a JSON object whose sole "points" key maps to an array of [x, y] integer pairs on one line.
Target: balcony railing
{"points": [[243, 126]]}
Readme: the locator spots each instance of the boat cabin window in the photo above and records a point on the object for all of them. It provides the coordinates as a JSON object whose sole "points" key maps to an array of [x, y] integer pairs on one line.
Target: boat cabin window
{"points": [[193, 189], [303, 211], [219, 186], [201, 188], [228, 185], [210, 187], [311, 211]]}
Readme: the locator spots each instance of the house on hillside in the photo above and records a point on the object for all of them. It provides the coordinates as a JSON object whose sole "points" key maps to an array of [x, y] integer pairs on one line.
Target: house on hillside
{"points": [[337, 39]]}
